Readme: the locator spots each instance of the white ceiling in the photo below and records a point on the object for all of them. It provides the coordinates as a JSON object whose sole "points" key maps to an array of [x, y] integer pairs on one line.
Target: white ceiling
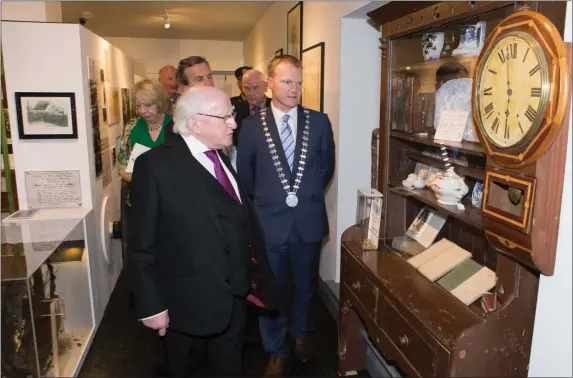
{"points": [[215, 20]]}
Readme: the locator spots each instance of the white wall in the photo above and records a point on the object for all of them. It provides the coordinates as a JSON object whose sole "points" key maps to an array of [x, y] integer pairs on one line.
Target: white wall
{"points": [[63, 68], [32, 11], [552, 334], [156, 53], [268, 35]]}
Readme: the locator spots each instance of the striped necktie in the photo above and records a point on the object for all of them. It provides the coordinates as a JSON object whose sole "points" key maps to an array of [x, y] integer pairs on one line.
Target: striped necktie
{"points": [[287, 141]]}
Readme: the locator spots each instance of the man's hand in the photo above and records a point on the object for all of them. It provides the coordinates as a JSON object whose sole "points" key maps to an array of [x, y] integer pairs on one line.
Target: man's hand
{"points": [[159, 322]]}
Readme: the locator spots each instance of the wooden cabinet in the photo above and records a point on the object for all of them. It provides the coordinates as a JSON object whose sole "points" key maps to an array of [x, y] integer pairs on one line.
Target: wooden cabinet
{"points": [[413, 322]]}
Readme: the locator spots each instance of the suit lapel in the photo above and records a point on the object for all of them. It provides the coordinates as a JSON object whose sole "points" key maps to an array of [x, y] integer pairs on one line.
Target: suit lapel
{"points": [[300, 123], [274, 131], [189, 176]]}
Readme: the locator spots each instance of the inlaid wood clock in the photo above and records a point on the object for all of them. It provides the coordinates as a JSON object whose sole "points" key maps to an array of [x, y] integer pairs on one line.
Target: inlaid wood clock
{"points": [[521, 97]]}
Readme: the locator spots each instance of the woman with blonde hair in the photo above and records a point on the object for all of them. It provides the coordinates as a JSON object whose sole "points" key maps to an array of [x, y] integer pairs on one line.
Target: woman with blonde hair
{"points": [[149, 130]]}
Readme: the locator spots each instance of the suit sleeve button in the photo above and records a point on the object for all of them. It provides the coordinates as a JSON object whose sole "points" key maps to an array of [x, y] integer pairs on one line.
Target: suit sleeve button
{"points": [[227, 282]]}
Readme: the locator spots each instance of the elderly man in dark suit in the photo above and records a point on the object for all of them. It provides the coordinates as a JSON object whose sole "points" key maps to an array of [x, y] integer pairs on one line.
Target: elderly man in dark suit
{"points": [[254, 89], [285, 162], [236, 100], [196, 247]]}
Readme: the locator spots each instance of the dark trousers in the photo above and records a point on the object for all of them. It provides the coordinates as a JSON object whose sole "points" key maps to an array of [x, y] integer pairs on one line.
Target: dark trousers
{"points": [[184, 353], [303, 260]]}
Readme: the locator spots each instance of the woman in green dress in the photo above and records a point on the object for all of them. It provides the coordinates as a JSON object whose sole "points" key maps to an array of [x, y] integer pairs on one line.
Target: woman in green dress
{"points": [[148, 130]]}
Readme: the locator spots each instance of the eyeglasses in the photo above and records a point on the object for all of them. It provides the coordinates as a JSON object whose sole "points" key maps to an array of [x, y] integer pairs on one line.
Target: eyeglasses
{"points": [[225, 118]]}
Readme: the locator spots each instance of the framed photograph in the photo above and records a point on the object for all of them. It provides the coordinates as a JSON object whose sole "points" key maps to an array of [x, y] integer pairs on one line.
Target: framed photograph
{"points": [[313, 77], [46, 115], [294, 30], [279, 52]]}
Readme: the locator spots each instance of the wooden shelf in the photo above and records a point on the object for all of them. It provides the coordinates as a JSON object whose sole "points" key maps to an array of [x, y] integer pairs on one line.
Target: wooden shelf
{"points": [[471, 215], [435, 64], [470, 148], [478, 174]]}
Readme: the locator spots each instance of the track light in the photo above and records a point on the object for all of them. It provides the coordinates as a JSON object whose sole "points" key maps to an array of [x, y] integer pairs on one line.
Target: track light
{"points": [[167, 24]]}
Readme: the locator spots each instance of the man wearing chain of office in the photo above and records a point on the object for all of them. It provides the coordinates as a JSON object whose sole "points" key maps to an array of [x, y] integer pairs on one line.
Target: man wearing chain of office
{"points": [[285, 160]]}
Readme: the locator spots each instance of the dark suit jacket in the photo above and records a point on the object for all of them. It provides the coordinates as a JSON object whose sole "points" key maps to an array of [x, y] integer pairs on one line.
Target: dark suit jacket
{"points": [[243, 110], [190, 242], [259, 177]]}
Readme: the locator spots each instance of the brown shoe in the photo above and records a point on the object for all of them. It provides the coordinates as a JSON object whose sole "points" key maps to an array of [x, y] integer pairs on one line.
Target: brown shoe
{"points": [[275, 367], [302, 350]]}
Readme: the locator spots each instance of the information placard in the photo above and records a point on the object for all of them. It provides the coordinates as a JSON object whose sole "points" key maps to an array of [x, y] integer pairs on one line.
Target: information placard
{"points": [[46, 189]]}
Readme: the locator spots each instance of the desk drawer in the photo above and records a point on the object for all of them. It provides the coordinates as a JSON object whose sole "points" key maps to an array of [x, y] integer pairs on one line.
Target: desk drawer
{"points": [[354, 277], [415, 349]]}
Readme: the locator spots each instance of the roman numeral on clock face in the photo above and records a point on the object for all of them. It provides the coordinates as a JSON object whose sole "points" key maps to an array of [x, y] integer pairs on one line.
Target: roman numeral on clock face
{"points": [[506, 133], [530, 113], [489, 110], [487, 91], [534, 70], [495, 125], [535, 92]]}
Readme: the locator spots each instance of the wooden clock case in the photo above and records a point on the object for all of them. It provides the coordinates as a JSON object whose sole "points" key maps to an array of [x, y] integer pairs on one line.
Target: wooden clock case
{"points": [[415, 324]]}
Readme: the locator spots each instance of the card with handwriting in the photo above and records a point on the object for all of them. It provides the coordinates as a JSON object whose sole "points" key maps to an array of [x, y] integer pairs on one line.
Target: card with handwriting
{"points": [[452, 125]]}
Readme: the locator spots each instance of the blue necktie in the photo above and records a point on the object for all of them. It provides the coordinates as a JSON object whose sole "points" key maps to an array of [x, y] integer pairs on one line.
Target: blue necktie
{"points": [[287, 141]]}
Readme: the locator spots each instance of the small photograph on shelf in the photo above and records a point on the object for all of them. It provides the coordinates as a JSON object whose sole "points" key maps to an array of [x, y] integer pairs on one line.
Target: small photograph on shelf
{"points": [[425, 228], [46, 115]]}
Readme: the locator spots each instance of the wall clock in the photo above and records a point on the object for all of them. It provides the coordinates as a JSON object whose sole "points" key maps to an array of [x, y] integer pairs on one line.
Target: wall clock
{"points": [[520, 89]]}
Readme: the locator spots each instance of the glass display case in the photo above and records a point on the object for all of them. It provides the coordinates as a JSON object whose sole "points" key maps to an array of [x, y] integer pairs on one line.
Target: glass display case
{"points": [[47, 314], [433, 187]]}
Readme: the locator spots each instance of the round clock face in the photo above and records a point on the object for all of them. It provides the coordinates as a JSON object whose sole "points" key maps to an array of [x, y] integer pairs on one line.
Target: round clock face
{"points": [[513, 90]]}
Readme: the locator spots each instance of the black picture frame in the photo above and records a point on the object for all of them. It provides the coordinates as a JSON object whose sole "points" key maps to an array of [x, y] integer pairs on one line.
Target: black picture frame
{"points": [[279, 52], [294, 27], [61, 115], [320, 94]]}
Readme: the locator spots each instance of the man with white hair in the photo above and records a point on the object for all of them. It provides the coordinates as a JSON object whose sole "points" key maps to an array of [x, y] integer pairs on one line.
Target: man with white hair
{"points": [[196, 247], [254, 87]]}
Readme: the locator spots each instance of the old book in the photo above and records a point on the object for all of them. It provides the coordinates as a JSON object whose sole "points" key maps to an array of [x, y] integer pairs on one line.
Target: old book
{"points": [[425, 228], [459, 274], [430, 253], [475, 286], [445, 262]]}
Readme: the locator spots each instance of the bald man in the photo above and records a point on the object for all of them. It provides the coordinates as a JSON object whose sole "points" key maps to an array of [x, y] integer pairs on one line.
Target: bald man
{"points": [[193, 236], [168, 79], [254, 87]]}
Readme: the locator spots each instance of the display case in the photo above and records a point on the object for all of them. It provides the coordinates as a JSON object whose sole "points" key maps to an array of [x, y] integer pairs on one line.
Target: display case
{"points": [[450, 292], [47, 315]]}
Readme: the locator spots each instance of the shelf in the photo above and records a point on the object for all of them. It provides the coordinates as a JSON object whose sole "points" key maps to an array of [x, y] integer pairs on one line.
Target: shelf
{"points": [[470, 148], [478, 174], [471, 215], [435, 64]]}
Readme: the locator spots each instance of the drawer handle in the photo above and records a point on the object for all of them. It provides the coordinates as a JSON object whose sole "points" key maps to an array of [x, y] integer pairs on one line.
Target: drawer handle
{"points": [[403, 340], [356, 285]]}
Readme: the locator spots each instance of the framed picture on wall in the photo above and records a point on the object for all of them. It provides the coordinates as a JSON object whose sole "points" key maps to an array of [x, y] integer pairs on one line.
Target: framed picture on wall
{"points": [[46, 115], [279, 52], [313, 77], [294, 30]]}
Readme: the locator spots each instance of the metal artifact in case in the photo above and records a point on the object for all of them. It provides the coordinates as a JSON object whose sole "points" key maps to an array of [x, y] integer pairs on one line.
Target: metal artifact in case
{"points": [[46, 302], [368, 216]]}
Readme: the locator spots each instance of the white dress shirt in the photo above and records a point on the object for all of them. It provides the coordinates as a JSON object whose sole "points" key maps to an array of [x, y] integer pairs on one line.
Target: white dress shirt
{"points": [[292, 121], [198, 150]]}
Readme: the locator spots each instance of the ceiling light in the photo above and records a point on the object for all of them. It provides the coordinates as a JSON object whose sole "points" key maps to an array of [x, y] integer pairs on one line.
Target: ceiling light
{"points": [[167, 24]]}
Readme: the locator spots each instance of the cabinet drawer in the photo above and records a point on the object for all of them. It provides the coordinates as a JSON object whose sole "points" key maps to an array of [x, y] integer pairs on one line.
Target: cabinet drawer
{"points": [[354, 278], [418, 353]]}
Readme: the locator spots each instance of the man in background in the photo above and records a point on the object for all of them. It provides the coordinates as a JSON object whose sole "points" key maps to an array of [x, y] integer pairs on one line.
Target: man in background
{"points": [[254, 88], [193, 71], [236, 100], [167, 77]]}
